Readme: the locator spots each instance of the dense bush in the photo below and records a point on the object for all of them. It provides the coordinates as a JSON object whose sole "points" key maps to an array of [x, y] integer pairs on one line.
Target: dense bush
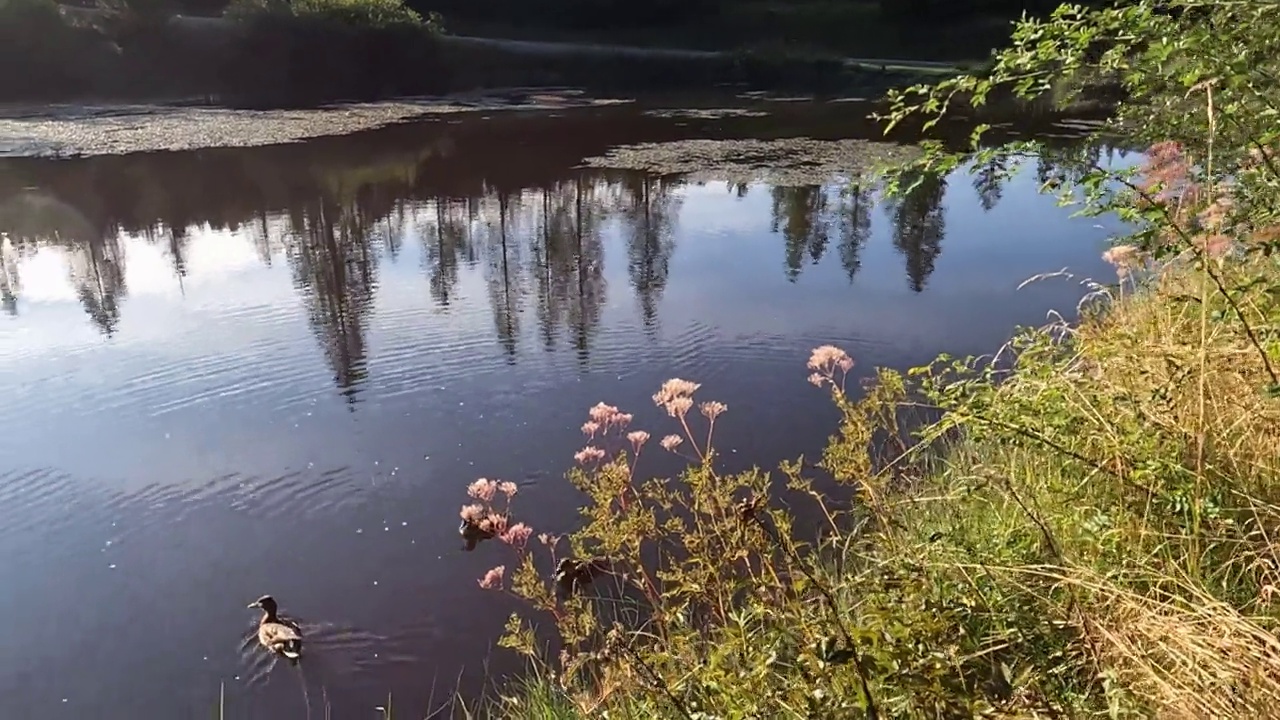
{"points": [[330, 49], [44, 55]]}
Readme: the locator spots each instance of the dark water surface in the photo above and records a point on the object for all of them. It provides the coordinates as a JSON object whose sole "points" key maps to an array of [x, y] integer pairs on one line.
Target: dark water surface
{"points": [[233, 372]]}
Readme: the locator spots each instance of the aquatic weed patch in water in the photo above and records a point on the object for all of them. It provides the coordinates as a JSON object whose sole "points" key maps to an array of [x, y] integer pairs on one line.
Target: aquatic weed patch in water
{"points": [[786, 161]]}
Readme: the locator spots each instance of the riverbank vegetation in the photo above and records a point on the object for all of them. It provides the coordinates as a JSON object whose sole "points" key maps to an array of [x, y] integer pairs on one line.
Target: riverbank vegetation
{"points": [[897, 29], [312, 51], [1081, 525], [287, 52]]}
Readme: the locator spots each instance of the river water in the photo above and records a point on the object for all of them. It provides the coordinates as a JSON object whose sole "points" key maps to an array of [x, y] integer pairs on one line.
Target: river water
{"points": [[274, 370]]}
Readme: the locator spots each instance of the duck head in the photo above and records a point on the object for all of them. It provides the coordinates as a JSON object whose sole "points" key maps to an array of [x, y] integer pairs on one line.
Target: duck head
{"points": [[266, 603]]}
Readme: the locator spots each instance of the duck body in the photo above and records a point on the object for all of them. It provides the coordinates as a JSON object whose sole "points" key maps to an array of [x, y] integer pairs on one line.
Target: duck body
{"points": [[276, 634]]}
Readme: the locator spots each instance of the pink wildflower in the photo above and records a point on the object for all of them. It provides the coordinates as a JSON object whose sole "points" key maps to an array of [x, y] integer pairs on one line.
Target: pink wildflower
{"points": [[638, 439], [508, 488], [1125, 258], [826, 358], [492, 580], [472, 513], [603, 414], [817, 379], [671, 442], [589, 454], [590, 428], [493, 524], [676, 396], [1216, 245], [517, 535], [713, 410], [483, 489]]}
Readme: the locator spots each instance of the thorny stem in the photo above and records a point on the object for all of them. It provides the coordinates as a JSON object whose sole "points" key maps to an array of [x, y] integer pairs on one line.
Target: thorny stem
{"points": [[863, 680]]}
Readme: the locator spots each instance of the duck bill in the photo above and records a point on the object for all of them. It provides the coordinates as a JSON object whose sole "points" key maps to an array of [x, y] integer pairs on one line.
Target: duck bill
{"points": [[254, 605]]}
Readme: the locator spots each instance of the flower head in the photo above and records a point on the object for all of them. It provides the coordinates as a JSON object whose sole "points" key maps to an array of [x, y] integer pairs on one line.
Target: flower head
{"points": [[713, 410], [471, 513], [1125, 258], [638, 438], [1216, 245], [483, 489], [826, 358], [676, 396], [508, 488], [590, 428], [589, 454], [492, 580], [602, 413], [671, 442], [517, 535]]}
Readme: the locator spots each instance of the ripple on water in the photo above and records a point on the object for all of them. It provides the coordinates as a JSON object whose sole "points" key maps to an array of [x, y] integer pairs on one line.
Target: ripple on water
{"points": [[334, 657], [294, 494], [31, 499]]}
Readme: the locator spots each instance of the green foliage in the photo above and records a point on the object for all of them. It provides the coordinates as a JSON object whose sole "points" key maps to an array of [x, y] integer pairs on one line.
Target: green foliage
{"points": [[379, 14]]}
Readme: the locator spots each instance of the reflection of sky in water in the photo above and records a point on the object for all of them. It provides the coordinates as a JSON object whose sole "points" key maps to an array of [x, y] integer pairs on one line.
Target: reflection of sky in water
{"points": [[208, 426]]}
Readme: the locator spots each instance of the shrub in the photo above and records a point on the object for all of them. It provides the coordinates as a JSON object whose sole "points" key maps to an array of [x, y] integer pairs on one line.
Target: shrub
{"points": [[380, 14], [54, 57], [331, 49]]}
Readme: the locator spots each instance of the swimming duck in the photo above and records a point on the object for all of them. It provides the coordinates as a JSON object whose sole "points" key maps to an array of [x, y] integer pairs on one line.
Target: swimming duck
{"points": [[277, 635]]}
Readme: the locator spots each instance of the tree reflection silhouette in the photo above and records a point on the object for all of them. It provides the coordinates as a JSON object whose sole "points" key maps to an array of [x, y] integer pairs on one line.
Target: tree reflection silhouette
{"points": [[853, 225], [918, 226], [650, 217], [335, 271], [535, 231], [801, 213]]}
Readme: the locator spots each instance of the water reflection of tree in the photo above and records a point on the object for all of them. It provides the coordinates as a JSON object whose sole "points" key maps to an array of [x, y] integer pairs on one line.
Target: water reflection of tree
{"points": [[335, 270], [97, 270], [10, 281], [650, 212], [95, 254], [504, 275], [988, 182], [569, 262], [446, 244], [853, 225], [801, 213], [918, 227]]}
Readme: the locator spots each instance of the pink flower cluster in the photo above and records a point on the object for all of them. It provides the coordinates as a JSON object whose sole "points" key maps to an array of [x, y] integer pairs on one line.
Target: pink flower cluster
{"points": [[482, 521], [824, 361], [603, 418], [676, 396]]}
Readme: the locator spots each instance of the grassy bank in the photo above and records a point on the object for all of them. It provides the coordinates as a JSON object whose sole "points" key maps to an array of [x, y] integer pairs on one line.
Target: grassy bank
{"points": [[1081, 525]]}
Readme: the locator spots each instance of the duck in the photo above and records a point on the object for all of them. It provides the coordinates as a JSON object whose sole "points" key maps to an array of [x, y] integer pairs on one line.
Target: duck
{"points": [[280, 636]]}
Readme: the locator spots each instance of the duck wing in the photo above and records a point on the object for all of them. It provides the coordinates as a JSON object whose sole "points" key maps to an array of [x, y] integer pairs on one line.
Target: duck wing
{"points": [[281, 638]]}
